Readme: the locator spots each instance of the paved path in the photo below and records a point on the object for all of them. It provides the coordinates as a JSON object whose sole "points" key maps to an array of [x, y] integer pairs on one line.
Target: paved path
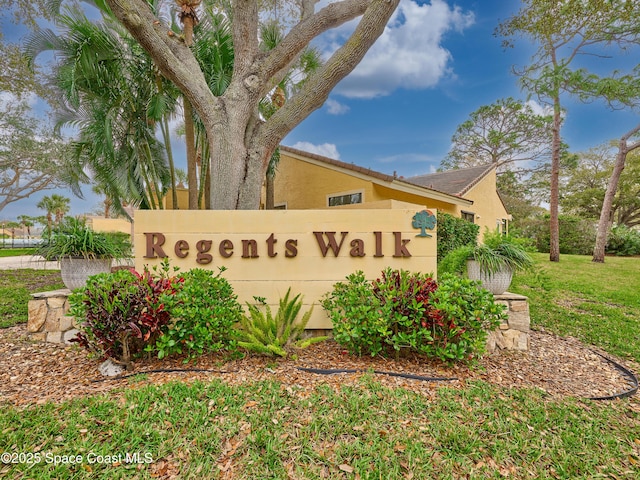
{"points": [[27, 261]]}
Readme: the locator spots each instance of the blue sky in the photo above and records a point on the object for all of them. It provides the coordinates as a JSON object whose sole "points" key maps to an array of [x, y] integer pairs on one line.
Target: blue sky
{"points": [[436, 63]]}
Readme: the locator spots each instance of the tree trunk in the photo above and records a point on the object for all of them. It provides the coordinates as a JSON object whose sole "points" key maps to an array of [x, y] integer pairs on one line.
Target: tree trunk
{"points": [[241, 142], [554, 226], [190, 139], [605, 214], [269, 203]]}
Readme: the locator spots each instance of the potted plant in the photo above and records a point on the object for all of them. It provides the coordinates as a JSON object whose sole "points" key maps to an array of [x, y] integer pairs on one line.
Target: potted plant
{"points": [[493, 262], [82, 252]]}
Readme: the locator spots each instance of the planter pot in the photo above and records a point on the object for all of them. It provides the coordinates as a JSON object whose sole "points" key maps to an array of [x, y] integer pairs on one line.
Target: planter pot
{"points": [[497, 283], [75, 271]]}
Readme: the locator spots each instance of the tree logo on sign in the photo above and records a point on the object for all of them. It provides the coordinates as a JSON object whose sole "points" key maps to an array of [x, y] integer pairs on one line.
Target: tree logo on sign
{"points": [[423, 220]]}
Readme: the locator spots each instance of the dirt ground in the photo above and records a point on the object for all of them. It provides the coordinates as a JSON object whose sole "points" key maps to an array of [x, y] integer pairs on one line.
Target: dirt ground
{"points": [[36, 373]]}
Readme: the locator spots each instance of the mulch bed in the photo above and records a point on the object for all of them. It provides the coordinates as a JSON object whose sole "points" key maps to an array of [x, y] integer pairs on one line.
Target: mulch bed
{"points": [[36, 373]]}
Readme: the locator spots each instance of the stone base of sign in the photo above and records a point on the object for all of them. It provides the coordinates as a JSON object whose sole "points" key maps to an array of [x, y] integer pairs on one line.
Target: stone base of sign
{"points": [[514, 333], [48, 320]]}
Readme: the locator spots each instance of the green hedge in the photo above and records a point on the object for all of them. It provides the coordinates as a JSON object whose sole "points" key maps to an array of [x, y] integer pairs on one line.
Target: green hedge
{"points": [[454, 233]]}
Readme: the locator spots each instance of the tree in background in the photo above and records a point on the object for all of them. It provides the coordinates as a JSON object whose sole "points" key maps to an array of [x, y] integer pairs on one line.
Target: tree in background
{"points": [[15, 75], [56, 207], [564, 32], [32, 157], [584, 184], [508, 134], [606, 220], [26, 222], [520, 199], [241, 142], [110, 90]]}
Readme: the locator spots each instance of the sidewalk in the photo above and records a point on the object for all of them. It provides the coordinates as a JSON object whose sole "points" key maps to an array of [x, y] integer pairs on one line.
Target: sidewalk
{"points": [[27, 261]]}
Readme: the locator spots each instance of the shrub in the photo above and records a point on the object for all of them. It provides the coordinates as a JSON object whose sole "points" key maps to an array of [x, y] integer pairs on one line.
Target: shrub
{"points": [[466, 314], [577, 235], [497, 252], [453, 233], [265, 333], [74, 238], [203, 311], [447, 320], [407, 296], [121, 312], [623, 241], [359, 319]]}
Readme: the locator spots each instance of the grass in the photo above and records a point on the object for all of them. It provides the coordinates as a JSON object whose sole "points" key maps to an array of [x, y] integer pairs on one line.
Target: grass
{"points": [[268, 430], [15, 252], [15, 289], [595, 302]]}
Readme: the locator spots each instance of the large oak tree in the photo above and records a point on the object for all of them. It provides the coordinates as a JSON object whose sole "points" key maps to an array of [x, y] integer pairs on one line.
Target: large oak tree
{"points": [[241, 140]]}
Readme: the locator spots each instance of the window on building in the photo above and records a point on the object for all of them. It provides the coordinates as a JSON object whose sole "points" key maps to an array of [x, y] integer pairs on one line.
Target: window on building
{"points": [[468, 216], [347, 199]]}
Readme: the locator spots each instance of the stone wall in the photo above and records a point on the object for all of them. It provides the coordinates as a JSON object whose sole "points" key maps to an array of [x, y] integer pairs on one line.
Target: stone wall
{"points": [[48, 320], [514, 333]]}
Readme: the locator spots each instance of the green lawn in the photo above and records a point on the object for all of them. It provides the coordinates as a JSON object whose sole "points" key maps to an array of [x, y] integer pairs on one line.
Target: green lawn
{"points": [[598, 303], [268, 430], [14, 252], [16, 287]]}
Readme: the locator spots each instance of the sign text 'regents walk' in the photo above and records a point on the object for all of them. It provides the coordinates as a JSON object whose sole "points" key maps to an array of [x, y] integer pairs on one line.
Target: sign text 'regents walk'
{"points": [[327, 243], [264, 253]]}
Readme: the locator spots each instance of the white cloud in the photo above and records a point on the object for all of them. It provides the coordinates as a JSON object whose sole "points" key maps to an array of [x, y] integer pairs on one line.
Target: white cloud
{"points": [[8, 98], [542, 110], [326, 149], [336, 108], [408, 54]]}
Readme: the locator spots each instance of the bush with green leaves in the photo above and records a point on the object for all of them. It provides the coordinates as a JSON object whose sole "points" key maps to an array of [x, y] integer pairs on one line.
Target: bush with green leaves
{"points": [[203, 311], [74, 238], [497, 252], [120, 313], [407, 297], [360, 320], [453, 233], [577, 235], [465, 316], [269, 334], [448, 320], [623, 241]]}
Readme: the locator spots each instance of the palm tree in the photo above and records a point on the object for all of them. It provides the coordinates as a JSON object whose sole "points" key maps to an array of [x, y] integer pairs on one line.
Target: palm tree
{"points": [[213, 49], [108, 203], [113, 93], [55, 205], [27, 222], [308, 62]]}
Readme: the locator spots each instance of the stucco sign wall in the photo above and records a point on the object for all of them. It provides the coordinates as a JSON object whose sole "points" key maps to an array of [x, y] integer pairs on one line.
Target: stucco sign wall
{"points": [[266, 252]]}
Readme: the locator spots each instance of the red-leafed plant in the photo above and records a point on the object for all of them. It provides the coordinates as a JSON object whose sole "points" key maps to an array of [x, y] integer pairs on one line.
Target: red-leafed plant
{"points": [[448, 319], [121, 313]]}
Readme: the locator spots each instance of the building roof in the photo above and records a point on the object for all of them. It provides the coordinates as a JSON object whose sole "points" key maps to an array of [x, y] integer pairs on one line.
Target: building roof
{"points": [[454, 182], [392, 181]]}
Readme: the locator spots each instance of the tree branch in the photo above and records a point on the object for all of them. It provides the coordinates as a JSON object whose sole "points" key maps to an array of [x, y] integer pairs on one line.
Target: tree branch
{"points": [[172, 57], [331, 16], [316, 90]]}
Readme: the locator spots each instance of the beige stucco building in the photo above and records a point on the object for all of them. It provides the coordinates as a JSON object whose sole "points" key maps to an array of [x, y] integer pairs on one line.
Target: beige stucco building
{"points": [[308, 181]]}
